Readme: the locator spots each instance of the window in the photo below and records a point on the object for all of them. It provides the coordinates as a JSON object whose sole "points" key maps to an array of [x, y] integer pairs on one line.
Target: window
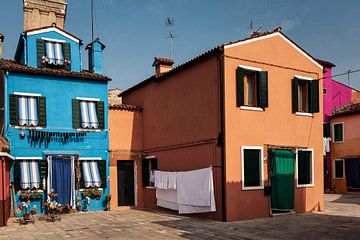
{"points": [[149, 165], [305, 168], [305, 94], [27, 174], [54, 53], [252, 168], [252, 87], [91, 175], [339, 169], [324, 91], [88, 113], [338, 132], [27, 110], [326, 130]]}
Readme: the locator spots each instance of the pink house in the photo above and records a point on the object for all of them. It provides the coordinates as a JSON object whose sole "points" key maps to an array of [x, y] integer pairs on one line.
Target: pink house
{"points": [[335, 95]]}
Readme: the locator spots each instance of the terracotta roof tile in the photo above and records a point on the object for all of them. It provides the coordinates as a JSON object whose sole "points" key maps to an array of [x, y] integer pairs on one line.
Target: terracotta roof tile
{"points": [[347, 109], [125, 107], [161, 60], [14, 66]]}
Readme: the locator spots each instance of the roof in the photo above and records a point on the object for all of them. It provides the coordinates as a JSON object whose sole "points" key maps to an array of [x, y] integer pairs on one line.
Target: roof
{"points": [[52, 27], [351, 108], [325, 63], [164, 61], [212, 52], [125, 107], [14, 66], [4, 145], [89, 45]]}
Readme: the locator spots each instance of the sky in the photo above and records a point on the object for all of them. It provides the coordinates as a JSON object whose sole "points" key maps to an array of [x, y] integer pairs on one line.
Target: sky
{"points": [[134, 31]]}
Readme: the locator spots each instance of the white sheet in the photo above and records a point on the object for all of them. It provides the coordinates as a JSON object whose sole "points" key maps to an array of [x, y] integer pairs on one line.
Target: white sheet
{"points": [[167, 198], [172, 180]]}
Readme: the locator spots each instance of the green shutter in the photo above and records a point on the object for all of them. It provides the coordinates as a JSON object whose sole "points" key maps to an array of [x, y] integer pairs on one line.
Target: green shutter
{"points": [[338, 132], [314, 95], [82, 182], [145, 173], [40, 48], [76, 114], [100, 114], [42, 111], [17, 175], [102, 170], [239, 87], [67, 54], [14, 115], [304, 167], [251, 168], [295, 84], [43, 167], [339, 169], [263, 89]]}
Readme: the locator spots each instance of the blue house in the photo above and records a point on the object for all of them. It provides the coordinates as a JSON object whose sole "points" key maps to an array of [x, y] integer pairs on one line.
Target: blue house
{"points": [[55, 119]]}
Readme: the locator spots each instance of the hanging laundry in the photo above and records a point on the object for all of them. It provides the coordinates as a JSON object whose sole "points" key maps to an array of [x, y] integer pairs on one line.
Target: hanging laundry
{"points": [[172, 180]]}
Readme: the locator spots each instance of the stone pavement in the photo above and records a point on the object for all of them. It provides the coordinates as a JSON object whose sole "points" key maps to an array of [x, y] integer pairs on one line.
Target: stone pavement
{"points": [[340, 221]]}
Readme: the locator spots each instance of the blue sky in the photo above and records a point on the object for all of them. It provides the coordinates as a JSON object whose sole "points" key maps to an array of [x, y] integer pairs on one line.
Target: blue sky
{"points": [[134, 31]]}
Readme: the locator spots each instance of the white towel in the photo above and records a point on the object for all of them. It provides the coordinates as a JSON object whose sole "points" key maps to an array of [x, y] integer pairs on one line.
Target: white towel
{"points": [[167, 198], [172, 180], [157, 179]]}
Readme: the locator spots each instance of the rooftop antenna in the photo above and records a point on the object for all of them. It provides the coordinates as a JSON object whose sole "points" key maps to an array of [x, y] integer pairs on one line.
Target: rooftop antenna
{"points": [[92, 20], [252, 27], [170, 23]]}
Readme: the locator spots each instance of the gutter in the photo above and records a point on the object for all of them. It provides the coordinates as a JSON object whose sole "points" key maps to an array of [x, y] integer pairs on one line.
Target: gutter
{"points": [[220, 58]]}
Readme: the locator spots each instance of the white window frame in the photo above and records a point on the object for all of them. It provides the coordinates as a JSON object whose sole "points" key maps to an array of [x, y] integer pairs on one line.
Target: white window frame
{"points": [[306, 114], [312, 168], [334, 165], [88, 99], [243, 148], [25, 94], [333, 132]]}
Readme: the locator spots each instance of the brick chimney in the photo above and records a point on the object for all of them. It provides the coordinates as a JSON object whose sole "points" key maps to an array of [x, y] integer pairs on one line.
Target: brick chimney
{"points": [[1, 43], [162, 65], [43, 13]]}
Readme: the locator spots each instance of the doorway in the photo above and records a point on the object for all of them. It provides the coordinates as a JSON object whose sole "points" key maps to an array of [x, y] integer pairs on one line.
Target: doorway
{"points": [[352, 171], [282, 168], [126, 186]]}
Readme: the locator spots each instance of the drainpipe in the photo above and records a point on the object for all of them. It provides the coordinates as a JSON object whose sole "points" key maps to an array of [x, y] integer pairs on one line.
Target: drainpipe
{"points": [[220, 58], [6, 109], [25, 48], [80, 55]]}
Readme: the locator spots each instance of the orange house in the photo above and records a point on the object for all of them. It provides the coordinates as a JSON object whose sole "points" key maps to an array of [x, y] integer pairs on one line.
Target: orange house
{"points": [[251, 109], [345, 152]]}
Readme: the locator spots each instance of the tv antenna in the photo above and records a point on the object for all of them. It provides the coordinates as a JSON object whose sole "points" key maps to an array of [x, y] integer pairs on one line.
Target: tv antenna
{"points": [[252, 27], [92, 20], [170, 23]]}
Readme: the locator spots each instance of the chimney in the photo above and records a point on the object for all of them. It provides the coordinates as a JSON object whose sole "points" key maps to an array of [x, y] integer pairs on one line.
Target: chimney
{"points": [[95, 49], [43, 13], [1, 43], [162, 65]]}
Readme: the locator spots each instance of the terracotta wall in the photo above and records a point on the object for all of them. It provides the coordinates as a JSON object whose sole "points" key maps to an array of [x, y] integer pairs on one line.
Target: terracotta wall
{"points": [[277, 125], [4, 191], [348, 148], [181, 122], [125, 144]]}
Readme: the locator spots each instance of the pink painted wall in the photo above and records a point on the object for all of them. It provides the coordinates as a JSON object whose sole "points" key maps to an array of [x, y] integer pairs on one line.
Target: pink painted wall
{"points": [[337, 94]]}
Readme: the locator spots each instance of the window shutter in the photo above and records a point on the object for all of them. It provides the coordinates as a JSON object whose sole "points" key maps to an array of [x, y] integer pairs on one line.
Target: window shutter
{"points": [[14, 114], [40, 48], [314, 93], [338, 132], [76, 113], [304, 167], [154, 164], [82, 183], [42, 111], [263, 89], [17, 175], [145, 172], [239, 87], [67, 54], [295, 84], [102, 170], [100, 114], [43, 167]]}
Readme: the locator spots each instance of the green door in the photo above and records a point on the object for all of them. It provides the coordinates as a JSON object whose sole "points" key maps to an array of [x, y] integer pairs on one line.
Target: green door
{"points": [[282, 163]]}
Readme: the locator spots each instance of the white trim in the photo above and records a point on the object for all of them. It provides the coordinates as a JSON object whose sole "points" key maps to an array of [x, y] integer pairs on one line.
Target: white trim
{"points": [[89, 158], [88, 99], [88, 130], [53, 40], [333, 132], [312, 168], [28, 127], [273, 35], [150, 157], [28, 158], [258, 109], [250, 68], [304, 114], [334, 173], [261, 167], [55, 30], [27, 94], [4, 154], [303, 78]]}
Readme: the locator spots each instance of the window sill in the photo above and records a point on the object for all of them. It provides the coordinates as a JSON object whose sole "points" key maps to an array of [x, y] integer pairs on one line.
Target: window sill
{"points": [[88, 130], [253, 188], [338, 141], [257, 109], [85, 189], [28, 127], [150, 187], [304, 114], [305, 185], [339, 178]]}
